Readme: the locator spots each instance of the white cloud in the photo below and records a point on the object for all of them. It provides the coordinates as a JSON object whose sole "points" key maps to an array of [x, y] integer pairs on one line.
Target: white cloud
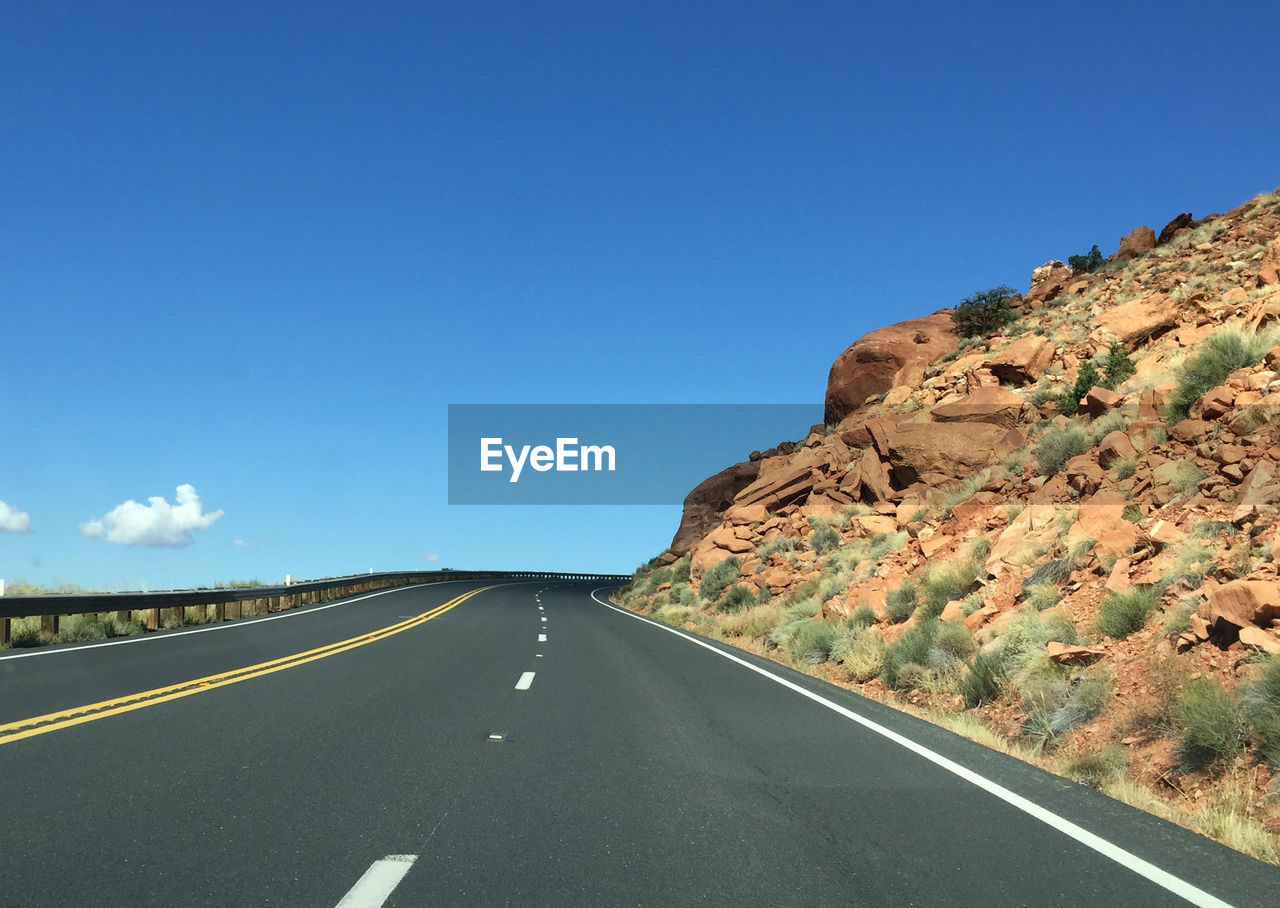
{"points": [[12, 520], [157, 524], [241, 544], [430, 557]]}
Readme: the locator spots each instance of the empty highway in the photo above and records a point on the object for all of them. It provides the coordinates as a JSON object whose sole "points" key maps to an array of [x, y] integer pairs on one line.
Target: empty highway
{"points": [[528, 744]]}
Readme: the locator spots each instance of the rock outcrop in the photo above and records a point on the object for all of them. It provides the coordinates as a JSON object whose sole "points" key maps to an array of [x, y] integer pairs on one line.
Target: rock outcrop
{"points": [[879, 361]]}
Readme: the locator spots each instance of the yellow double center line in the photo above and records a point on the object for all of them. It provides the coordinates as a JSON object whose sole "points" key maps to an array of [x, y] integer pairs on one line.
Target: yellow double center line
{"points": [[39, 725]]}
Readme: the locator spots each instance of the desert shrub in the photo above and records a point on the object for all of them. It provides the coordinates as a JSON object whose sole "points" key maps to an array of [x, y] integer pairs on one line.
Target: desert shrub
{"points": [[764, 595], [864, 659], [1098, 768], [778, 543], [823, 539], [901, 602], [811, 642], [1262, 705], [1059, 626], [984, 313], [1222, 353], [1213, 726], [1086, 699], [751, 622], [1187, 477], [911, 649], [1057, 446], [1053, 571], [884, 543], [675, 615], [1117, 367], [983, 681], [680, 570], [862, 616], [1068, 402], [954, 641], [1123, 613], [738, 598], [1125, 467], [945, 582], [718, 577], [1091, 261], [1041, 596], [76, 628]]}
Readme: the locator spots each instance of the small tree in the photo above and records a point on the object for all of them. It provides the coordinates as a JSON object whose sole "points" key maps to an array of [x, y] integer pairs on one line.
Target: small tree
{"points": [[1117, 367], [984, 313], [1087, 263]]}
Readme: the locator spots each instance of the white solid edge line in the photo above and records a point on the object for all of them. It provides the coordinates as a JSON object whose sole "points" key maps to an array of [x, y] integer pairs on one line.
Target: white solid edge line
{"points": [[1163, 878], [525, 682], [378, 882], [224, 626]]}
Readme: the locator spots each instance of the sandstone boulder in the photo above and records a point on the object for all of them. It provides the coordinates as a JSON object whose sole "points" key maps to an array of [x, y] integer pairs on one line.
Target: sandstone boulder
{"points": [[996, 405], [1136, 242], [1266, 641], [954, 450], [1048, 282], [1022, 361], [1114, 446], [891, 356], [1180, 223], [1066, 654], [1141, 319], [1244, 602], [1099, 400], [1269, 267]]}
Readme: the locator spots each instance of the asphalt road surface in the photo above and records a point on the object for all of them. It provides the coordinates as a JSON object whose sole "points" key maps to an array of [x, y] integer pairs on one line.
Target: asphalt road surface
{"points": [[528, 744]]}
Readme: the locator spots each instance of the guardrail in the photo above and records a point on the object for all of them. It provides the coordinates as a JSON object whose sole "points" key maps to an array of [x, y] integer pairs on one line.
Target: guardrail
{"points": [[228, 603]]}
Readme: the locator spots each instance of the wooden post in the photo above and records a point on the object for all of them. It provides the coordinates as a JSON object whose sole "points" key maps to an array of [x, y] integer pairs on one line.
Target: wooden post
{"points": [[153, 619], [4, 630], [124, 616], [49, 624], [220, 612]]}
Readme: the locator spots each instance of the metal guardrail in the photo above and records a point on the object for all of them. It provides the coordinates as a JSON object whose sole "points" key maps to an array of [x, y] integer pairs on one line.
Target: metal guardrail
{"points": [[229, 602]]}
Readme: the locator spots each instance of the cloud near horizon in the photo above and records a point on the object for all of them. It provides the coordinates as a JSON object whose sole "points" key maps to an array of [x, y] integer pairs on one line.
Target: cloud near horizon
{"points": [[157, 524], [12, 520], [430, 557]]}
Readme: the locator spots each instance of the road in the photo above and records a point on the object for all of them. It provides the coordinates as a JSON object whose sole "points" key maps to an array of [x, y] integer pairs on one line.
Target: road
{"points": [[612, 763]]}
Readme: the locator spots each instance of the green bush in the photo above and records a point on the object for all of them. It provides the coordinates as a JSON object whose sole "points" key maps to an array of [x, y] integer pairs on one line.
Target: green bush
{"points": [[1213, 726], [983, 681], [954, 641], [1057, 446], [1123, 613], [1088, 263], [912, 649], [718, 577], [778, 543], [900, 603], [984, 313], [811, 642], [946, 582], [738, 598], [1262, 699], [824, 539], [680, 570], [862, 616], [1117, 367], [1097, 769], [1085, 701], [1222, 353], [1068, 402]]}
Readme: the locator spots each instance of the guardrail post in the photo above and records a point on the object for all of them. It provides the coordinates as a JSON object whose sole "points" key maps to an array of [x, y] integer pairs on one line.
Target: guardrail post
{"points": [[153, 619], [49, 624], [124, 616], [4, 631]]}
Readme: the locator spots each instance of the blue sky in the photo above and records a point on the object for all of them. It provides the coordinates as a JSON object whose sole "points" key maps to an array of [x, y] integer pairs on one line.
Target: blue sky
{"points": [[257, 249]]}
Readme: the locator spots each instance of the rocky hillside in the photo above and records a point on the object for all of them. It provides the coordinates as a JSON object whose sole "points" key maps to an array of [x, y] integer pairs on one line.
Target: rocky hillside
{"points": [[1053, 512]]}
